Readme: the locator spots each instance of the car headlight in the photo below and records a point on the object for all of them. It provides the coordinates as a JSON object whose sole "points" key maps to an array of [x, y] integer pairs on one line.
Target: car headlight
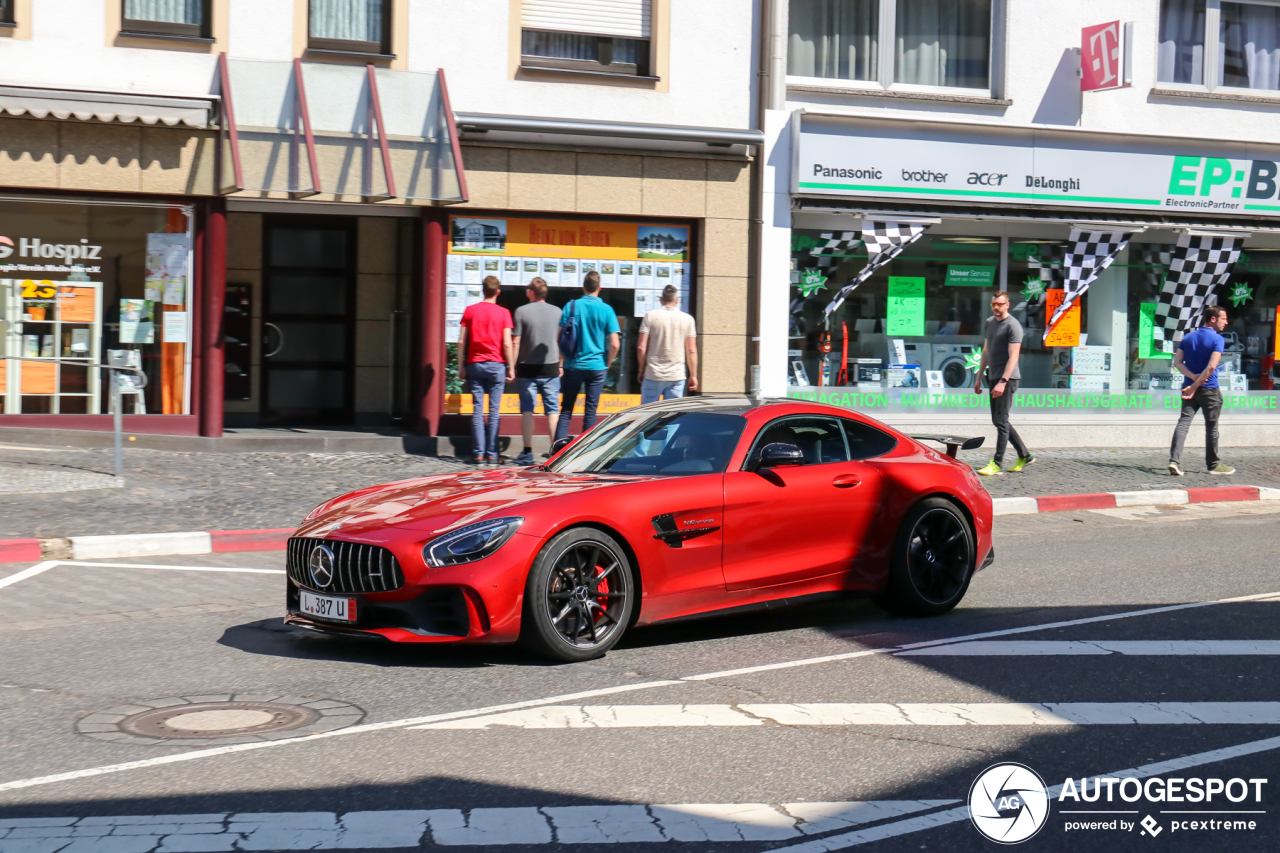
{"points": [[470, 543]]}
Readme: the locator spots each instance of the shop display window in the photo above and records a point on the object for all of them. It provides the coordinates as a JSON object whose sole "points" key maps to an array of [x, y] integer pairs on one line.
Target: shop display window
{"points": [[949, 281], [79, 281]]}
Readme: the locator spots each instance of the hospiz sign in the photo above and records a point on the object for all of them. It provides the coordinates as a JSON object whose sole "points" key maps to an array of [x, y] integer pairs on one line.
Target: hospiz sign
{"points": [[928, 161]]}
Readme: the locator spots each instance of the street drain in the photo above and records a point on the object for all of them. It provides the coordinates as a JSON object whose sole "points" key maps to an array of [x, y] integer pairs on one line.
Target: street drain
{"points": [[205, 720]]}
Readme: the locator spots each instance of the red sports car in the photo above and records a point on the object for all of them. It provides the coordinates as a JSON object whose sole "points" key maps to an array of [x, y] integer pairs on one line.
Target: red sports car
{"points": [[667, 511]]}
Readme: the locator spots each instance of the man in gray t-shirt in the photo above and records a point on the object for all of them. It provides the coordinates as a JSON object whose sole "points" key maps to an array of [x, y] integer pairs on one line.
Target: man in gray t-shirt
{"points": [[535, 339], [999, 369]]}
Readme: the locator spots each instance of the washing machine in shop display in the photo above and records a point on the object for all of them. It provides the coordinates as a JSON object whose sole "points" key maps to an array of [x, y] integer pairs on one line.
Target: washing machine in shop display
{"points": [[950, 360]]}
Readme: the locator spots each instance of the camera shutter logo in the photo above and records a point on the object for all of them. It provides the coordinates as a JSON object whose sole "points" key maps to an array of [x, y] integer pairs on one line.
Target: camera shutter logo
{"points": [[6, 247], [1008, 803], [321, 565]]}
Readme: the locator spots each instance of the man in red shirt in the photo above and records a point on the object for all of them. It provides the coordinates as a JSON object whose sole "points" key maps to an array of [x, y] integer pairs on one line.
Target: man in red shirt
{"points": [[484, 346]]}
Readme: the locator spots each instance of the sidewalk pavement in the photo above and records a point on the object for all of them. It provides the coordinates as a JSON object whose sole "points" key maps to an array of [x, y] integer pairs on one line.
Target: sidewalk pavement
{"points": [[169, 491]]}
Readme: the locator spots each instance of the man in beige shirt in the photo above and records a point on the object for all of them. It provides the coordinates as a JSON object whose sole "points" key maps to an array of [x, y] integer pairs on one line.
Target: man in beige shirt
{"points": [[668, 345]]}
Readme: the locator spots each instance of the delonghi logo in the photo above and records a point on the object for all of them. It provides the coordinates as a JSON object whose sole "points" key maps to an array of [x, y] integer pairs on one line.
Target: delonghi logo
{"points": [[1008, 803], [1042, 183], [6, 247]]}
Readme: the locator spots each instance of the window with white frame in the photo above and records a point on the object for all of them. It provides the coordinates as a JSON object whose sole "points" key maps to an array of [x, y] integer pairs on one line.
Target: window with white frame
{"points": [[173, 18], [1216, 44], [350, 26], [930, 43], [591, 36]]}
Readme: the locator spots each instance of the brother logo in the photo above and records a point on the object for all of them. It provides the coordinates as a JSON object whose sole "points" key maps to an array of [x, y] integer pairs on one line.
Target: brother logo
{"points": [[924, 177]]}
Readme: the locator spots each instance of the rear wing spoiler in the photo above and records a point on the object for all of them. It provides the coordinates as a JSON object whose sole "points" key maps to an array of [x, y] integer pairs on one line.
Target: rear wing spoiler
{"points": [[953, 444]]}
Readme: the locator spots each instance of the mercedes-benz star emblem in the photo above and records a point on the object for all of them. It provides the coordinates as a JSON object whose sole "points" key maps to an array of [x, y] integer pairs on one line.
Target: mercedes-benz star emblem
{"points": [[1008, 803], [321, 566]]}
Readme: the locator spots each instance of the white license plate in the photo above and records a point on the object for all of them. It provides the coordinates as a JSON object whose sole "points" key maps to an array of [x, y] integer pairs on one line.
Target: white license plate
{"points": [[327, 607]]}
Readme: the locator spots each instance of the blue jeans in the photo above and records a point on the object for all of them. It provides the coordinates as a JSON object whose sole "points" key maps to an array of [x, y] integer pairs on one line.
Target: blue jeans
{"points": [[653, 390], [591, 382], [486, 378], [548, 387]]}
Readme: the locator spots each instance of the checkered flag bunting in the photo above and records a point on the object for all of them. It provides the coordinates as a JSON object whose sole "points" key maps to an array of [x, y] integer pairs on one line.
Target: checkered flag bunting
{"points": [[1200, 263], [831, 250], [885, 240], [1089, 252]]}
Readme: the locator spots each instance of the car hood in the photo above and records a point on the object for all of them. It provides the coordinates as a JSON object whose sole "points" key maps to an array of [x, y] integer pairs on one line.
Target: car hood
{"points": [[432, 504]]}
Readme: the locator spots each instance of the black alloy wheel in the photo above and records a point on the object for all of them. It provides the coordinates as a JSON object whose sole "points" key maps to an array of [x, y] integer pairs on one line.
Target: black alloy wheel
{"points": [[579, 596], [933, 560]]}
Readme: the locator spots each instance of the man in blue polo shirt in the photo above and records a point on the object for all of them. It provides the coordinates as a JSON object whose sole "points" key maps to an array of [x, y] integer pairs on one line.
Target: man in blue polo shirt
{"points": [[597, 345], [1197, 360]]}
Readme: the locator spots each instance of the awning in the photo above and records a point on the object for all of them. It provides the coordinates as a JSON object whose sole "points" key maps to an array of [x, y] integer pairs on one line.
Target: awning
{"points": [[41, 102], [483, 122]]}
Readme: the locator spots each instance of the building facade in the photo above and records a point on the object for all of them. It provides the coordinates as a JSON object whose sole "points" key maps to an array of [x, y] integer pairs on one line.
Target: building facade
{"points": [[922, 155], [277, 211]]}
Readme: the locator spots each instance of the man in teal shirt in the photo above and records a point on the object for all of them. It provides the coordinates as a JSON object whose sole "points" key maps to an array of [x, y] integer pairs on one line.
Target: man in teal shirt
{"points": [[597, 345]]}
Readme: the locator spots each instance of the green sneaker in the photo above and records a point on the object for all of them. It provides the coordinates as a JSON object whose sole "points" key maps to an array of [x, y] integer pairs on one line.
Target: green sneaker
{"points": [[1222, 469], [1023, 462], [990, 469], [1175, 469]]}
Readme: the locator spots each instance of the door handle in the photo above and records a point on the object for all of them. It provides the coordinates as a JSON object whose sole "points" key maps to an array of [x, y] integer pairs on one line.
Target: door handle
{"points": [[267, 340], [846, 481]]}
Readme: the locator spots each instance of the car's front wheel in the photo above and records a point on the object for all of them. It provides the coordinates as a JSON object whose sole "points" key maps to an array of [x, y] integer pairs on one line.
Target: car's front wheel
{"points": [[933, 560], [579, 596]]}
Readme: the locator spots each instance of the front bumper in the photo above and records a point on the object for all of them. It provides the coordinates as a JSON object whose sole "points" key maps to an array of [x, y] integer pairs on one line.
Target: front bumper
{"points": [[476, 602], [991, 558]]}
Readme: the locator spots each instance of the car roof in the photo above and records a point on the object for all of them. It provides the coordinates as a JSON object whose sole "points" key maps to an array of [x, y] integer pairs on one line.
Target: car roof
{"points": [[723, 404]]}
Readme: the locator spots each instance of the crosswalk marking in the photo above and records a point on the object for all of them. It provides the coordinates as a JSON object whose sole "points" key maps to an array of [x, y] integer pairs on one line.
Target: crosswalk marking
{"points": [[1032, 648], [876, 714], [216, 833]]}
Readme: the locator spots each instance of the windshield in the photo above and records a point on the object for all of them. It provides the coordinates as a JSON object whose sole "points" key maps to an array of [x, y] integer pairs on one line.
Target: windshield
{"points": [[640, 442]]}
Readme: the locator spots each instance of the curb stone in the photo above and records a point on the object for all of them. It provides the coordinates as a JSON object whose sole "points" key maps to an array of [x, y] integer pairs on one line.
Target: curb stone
{"points": [[1151, 497]]}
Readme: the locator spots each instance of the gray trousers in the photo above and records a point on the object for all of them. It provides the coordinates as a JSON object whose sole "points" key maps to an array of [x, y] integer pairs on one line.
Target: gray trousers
{"points": [[1005, 432], [1208, 400]]}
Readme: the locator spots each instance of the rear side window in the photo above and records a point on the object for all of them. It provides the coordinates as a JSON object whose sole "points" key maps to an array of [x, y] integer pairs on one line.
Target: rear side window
{"points": [[866, 442]]}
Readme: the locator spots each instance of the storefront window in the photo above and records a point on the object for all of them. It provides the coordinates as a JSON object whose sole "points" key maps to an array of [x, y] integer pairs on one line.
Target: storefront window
{"points": [[635, 262], [933, 298], [80, 283]]}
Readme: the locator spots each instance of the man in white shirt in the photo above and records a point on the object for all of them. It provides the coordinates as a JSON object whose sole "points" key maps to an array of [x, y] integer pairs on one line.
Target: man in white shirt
{"points": [[668, 346]]}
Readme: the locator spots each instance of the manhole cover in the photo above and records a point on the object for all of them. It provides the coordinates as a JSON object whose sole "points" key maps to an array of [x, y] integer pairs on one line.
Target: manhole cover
{"points": [[226, 718], [219, 719]]}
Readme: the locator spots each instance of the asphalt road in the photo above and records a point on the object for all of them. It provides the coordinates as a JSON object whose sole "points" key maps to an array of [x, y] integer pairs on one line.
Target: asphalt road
{"points": [[806, 729]]}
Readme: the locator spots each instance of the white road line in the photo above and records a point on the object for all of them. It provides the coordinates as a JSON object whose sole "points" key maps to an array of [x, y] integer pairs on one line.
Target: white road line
{"points": [[876, 714], [213, 833], [916, 824], [29, 572], [40, 568], [606, 691], [1037, 648], [171, 568]]}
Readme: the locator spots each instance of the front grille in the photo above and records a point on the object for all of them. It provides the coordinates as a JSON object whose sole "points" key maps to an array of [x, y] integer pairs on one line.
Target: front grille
{"points": [[357, 567]]}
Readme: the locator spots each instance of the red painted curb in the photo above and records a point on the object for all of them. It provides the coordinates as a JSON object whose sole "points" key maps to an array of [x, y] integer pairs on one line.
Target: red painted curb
{"points": [[20, 551], [1210, 494], [1062, 503], [225, 541]]}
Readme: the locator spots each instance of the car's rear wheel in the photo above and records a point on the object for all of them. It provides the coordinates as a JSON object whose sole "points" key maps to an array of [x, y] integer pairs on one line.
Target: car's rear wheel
{"points": [[933, 560], [579, 596]]}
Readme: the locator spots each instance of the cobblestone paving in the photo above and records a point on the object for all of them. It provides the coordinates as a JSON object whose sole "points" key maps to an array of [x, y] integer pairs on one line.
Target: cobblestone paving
{"points": [[169, 491], [1085, 471], [40, 479]]}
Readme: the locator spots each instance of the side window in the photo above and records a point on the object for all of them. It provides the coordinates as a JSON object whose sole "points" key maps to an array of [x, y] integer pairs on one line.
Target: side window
{"points": [[865, 441], [820, 439]]}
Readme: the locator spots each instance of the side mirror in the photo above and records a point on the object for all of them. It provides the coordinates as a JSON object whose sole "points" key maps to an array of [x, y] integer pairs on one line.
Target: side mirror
{"points": [[780, 455], [560, 444]]}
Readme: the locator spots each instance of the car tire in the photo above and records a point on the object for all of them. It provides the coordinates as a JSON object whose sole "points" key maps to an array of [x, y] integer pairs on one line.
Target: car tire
{"points": [[579, 596], [933, 560]]}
